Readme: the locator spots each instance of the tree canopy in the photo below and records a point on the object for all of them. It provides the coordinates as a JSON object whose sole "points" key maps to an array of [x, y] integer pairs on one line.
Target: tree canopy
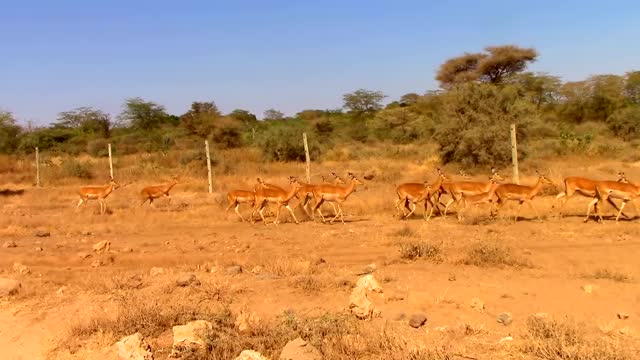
{"points": [[363, 101]]}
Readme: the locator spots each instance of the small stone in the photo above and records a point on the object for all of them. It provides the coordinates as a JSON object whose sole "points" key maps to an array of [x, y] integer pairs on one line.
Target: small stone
{"points": [[195, 334], [368, 269], [541, 316], [39, 248], [127, 250], [623, 316], [505, 339], [627, 331], [318, 261], [187, 279], [9, 244], [417, 320], [477, 304], [9, 286], [167, 243], [257, 269], [526, 252], [87, 233], [134, 281], [233, 270], [299, 349], [156, 271], [452, 278], [440, 328], [505, 318], [21, 269], [102, 246], [133, 347], [96, 263], [250, 355], [368, 282], [61, 291], [588, 288], [43, 233], [84, 255], [246, 320]]}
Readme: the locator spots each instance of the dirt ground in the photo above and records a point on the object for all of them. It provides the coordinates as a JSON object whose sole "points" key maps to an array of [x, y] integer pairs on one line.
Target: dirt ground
{"points": [[553, 261]]}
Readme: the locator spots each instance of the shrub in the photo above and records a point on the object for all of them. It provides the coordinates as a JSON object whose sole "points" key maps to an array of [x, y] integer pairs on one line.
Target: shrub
{"points": [[75, 168], [492, 255], [625, 122], [415, 249], [282, 141], [98, 148]]}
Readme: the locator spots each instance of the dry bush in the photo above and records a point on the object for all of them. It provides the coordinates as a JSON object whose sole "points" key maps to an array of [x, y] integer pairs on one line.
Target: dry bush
{"points": [[552, 340], [485, 254], [405, 231], [289, 268], [609, 274], [308, 283], [420, 249]]}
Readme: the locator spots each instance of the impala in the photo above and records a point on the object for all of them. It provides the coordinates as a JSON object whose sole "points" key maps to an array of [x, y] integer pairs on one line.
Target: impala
{"points": [[458, 188], [306, 192], [585, 187], [477, 199], [237, 197], [520, 193], [99, 193], [415, 192], [280, 197], [613, 189], [334, 194], [156, 191]]}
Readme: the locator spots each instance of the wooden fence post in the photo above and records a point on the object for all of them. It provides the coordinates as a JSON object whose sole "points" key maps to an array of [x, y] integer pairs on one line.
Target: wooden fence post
{"points": [[37, 167], [514, 154], [110, 162], [306, 154], [206, 147]]}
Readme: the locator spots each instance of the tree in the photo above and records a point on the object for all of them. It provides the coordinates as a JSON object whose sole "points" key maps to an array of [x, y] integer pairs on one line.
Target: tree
{"points": [[87, 120], [542, 89], [632, 87], [245, 116], [606, 96], [497, 64], [201, 118], [143, 115], [362, 101], [409, 98], [574, 98], [625, 122], [9, 132], [273, 114]]}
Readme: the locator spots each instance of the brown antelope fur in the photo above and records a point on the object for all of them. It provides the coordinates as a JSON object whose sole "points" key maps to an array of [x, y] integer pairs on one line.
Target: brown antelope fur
{"points": [[585, 187], [457, 188], [280, 197], [99, 193], [334, 193], [613, 189], [520, 193], [157, 191]]}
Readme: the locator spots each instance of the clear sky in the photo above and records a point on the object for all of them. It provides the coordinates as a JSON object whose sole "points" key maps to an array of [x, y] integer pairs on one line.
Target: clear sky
{"points": [[287, 55]]}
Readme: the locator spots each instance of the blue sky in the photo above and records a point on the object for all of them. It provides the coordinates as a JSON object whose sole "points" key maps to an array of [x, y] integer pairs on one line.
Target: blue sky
{"points": [[287, 55]]}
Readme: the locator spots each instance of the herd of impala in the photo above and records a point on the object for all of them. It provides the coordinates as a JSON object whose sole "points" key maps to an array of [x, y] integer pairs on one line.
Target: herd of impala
{"points": [[462, 194]]}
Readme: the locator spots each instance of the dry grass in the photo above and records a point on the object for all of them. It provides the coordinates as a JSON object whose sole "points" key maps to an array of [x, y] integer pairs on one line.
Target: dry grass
{"points": [[609, 274], [406, 231], [552, 340], [484, 254], [420, 249], [288, 268]]}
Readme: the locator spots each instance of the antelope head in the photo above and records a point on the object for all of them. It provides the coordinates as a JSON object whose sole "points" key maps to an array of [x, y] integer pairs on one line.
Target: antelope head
{"points": [[495, 175]]}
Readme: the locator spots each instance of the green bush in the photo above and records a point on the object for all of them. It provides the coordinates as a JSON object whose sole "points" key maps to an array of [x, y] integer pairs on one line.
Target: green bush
{"points": [[98, 148], [74, 168], [283, 142], [625, 122]]}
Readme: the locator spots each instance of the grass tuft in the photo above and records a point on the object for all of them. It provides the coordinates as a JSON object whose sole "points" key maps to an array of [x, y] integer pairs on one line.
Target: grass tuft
{"points": [[485, 254], [419, 249]]}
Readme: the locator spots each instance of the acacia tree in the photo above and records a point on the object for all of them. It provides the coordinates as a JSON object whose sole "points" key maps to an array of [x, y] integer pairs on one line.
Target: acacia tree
{"points": [[9, 132], [142, 115], [201, 118], [273, 114], [362, 101], [494, 66], [87, 120]]}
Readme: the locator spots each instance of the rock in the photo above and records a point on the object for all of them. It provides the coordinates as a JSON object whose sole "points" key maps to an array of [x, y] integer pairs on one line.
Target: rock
{"points": [[87, 233], [126, 250], [187, 279], [452, 278], [156, 271], [360, 305], [505, 339], [96, 263], [134, 347], [623, 316], [134, 282], [43, 233], [369, 283], [84, 255], [39, 248], [246, 320], [299, 349], [417, 320], [233, 270], [257, 269], [627, 331], [104, 245], [477, 304], [9, 244], [526, 251], [21, 269], [61, 291], [250, 355], [541, 316], [196, 334], [318, 261], [588, 288], [505, 318], [9, 286]]}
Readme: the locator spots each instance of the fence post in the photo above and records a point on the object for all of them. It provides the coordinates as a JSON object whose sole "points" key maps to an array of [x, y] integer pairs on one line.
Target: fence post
{"points": [[514, 154], [37, 167], [206, 147], [110, 162], [306, 154]]}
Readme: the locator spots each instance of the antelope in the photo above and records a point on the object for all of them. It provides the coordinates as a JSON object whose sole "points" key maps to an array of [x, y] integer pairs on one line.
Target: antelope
{"points": [[585, 187], [458, 188], [520, 193], [156, 191], [264, 195], [334, 193], [237, 197], [477, 199], [99, 193], [613, 189], [306, 192], [416, 192]]}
